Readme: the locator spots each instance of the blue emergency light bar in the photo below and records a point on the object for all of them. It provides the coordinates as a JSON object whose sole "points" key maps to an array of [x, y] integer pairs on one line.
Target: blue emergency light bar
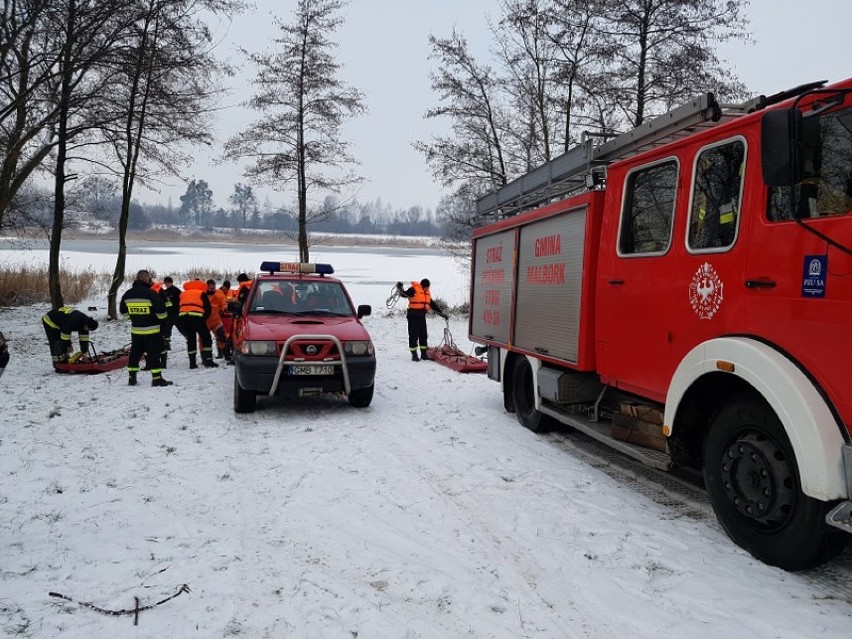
{"points": [[296, 267]]}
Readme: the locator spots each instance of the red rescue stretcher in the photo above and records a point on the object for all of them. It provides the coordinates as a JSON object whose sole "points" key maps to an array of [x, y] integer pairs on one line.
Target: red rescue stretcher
{"points": [[449, 355], [96, 362]]}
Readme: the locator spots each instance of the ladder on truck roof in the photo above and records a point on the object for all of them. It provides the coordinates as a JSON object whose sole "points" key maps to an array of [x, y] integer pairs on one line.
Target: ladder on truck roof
{"points": [[567, 173]]}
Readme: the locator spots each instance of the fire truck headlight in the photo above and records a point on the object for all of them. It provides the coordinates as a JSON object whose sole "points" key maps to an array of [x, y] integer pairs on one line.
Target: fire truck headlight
{"points": [[359, 348], [259, 348]]}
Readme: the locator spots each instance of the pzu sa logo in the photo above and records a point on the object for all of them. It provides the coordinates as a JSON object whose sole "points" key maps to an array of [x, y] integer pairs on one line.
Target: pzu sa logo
{"points": [[815, 268], [813, 275]]}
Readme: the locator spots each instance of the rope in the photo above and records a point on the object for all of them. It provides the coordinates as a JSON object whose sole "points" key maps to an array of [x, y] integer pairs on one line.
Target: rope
{"points": [[448, 338], [393, 298], [126, 611]]}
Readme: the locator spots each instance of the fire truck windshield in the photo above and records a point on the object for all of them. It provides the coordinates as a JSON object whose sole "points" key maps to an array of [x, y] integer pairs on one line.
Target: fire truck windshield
{"points": [[826, 187]]}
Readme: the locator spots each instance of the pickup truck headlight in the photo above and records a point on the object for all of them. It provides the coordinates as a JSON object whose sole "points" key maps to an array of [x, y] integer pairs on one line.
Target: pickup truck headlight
{"points": [[259, 348], [364, 347]]}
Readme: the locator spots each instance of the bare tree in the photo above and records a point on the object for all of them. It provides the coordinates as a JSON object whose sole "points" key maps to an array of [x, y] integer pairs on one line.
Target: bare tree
{"points": [[663, 52], [303, 105], [165, 85], [470, 95], [88, 33], [603, 65], [28, 106], [530, 58], [581, 59]]}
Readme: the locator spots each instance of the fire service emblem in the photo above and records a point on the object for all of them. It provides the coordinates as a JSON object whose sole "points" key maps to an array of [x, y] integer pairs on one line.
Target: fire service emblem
{"points": [[705, 292]]}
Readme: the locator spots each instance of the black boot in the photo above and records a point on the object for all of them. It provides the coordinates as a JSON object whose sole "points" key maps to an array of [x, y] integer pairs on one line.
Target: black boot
{"points": [[131, 379], [159, 381], [209, 363], [414, 357], [424, 355], [192, 362]]}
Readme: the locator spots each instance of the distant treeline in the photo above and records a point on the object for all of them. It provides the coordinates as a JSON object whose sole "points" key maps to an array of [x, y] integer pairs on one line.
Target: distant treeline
{"points": [[96, 201]]}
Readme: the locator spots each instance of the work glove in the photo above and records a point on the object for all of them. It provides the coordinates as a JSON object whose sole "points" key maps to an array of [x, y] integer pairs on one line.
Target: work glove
{"points": [[399, 286]]}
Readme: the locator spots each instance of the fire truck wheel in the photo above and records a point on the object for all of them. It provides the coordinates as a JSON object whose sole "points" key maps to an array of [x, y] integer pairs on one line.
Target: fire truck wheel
{"points": [[245, 401], [752, 478], [361, 397], [523, 396]]}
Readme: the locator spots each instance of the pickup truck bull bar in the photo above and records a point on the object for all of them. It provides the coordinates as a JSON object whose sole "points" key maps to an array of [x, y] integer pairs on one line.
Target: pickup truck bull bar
{"points": [[326, 362]]}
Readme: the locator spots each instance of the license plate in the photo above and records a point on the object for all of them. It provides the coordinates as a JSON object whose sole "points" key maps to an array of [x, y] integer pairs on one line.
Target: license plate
{"points": [[311, 370]]}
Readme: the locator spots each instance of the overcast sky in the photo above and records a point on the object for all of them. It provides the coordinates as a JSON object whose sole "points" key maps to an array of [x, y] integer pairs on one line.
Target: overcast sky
{"points": [[383, 45]]}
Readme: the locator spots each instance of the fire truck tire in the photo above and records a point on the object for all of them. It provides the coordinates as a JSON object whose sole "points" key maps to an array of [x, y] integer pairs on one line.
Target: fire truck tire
{"points": [[361, 397], [752, 478], [523, 397], [245, 401]]}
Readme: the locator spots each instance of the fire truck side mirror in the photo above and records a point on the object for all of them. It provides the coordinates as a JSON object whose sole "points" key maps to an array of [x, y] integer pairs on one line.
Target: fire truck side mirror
{"points": [[781, 147]]}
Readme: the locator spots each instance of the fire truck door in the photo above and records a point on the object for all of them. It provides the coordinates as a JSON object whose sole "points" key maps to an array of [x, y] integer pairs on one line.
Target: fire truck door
{"points": [[635, 284]]}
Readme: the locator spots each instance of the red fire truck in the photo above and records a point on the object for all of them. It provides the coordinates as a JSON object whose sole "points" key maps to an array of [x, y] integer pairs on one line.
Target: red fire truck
{"points": [[683, 292]]}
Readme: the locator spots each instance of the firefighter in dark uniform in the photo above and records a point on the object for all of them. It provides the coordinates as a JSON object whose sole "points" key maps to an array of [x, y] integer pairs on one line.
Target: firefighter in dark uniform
{"points": [[4, 353], [419, 303], [194, 310], [171, 295], [146, 310], [59, 323], [244, 283]]}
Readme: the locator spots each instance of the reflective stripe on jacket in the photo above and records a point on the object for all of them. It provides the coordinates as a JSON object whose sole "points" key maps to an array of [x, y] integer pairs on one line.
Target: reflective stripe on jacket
{"points": [[145, 308], [55, 317], [66, 320], [193, 300]]}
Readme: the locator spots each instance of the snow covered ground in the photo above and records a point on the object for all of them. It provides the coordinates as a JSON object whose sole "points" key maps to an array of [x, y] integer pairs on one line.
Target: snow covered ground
{"points": [[429, 515]]}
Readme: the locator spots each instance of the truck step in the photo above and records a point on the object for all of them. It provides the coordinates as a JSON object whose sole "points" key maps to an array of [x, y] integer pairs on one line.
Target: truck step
{"points": [[841, 516], [601, 432]]}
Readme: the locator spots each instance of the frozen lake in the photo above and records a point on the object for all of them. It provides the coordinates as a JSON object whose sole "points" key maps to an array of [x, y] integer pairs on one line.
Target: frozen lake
{"points": [[369, 272]]}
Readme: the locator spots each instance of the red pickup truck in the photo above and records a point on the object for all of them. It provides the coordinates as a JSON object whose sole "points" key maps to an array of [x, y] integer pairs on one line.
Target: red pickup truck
{"points": [[296, 334]]}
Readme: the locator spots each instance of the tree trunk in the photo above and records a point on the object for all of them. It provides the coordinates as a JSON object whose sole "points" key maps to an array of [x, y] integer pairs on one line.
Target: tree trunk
{"points": [[302, 185], [53, 282]]}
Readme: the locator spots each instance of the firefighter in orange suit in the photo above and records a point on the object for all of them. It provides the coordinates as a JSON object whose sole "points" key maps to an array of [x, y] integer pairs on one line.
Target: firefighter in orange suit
{"points": [[194, 311], [419, 304], [218, 306], [228, 319], [146, 310]]}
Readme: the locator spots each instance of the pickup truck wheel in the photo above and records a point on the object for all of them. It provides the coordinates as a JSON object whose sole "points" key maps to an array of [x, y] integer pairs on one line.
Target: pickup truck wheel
{"points": [[361, 397], [523, 396], [753, 481], [245, 401]]}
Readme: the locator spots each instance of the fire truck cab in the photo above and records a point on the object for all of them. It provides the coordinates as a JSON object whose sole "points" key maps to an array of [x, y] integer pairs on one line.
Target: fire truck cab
{"points": [[697, 270]]}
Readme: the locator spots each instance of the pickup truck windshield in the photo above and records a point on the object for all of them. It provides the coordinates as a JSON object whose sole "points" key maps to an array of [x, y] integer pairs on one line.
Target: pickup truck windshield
{"points": [[300, 298]]}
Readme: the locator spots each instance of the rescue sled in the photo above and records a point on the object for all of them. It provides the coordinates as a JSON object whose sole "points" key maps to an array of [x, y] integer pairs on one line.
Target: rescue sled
{"points": [[449, 355], [97, 362]]}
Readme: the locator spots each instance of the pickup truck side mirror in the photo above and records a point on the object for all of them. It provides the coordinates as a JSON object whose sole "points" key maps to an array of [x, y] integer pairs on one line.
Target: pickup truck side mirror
{"points": [[235, 308], [364, 310]]}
